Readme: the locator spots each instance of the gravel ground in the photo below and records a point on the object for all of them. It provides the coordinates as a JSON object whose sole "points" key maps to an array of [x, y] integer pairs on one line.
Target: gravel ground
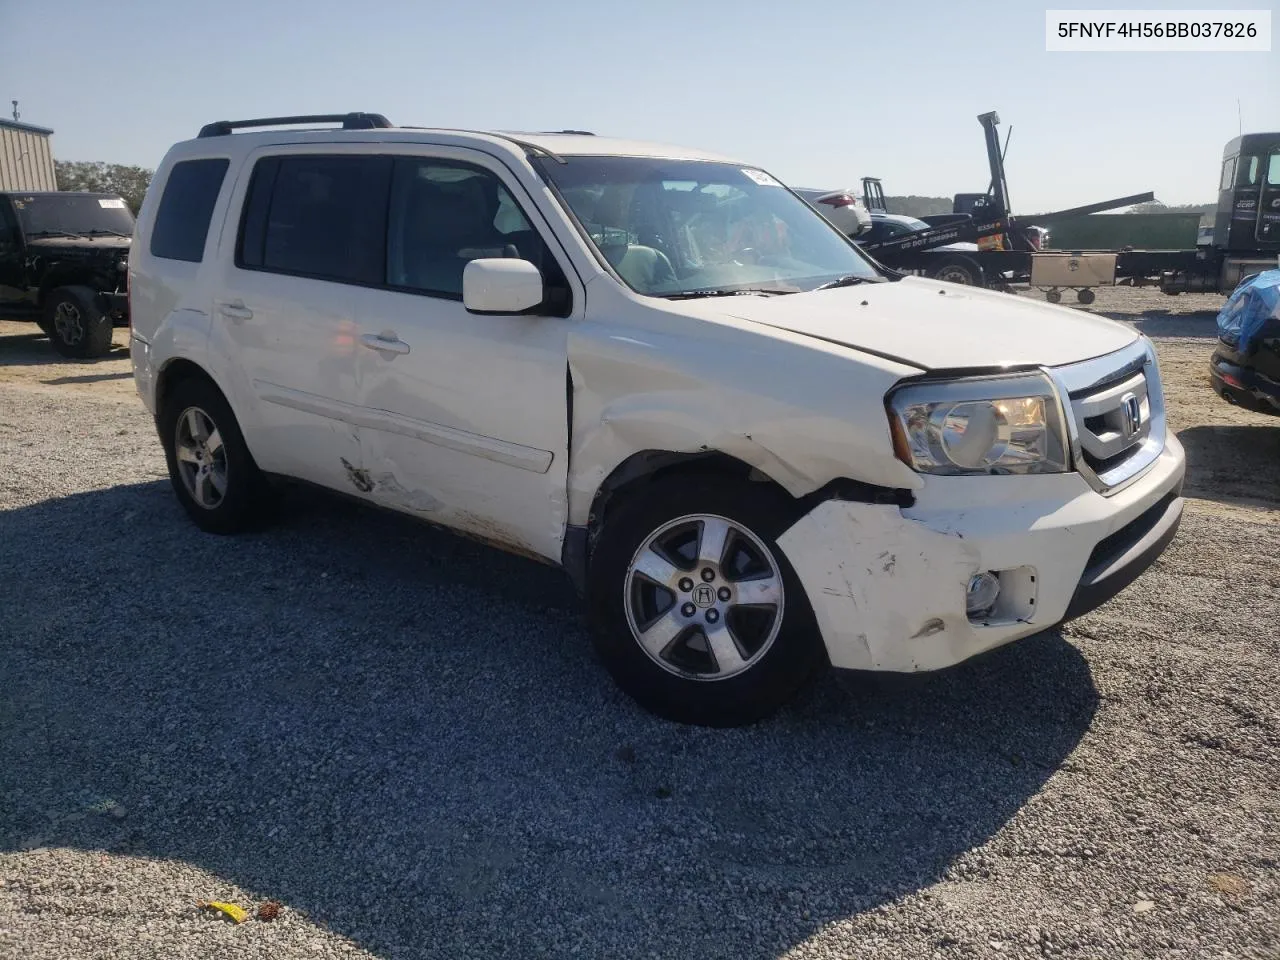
{"points": [[403, 738]]}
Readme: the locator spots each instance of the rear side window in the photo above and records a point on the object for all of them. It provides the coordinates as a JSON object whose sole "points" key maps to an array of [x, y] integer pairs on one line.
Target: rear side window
{"points": [[318, 216], [182, 222]]}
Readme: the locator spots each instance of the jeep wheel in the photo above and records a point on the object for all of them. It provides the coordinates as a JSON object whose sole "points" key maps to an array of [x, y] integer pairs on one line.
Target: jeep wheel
{"points": [[74, 323], [696, 612], [210, 467]]}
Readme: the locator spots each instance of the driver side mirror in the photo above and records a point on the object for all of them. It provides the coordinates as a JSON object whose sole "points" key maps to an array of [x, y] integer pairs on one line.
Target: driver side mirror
{"points": [[501, 285]]}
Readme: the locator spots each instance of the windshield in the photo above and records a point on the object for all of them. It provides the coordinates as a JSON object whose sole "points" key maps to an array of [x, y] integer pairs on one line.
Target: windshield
{"points": [[55, 215], [684, 227]]}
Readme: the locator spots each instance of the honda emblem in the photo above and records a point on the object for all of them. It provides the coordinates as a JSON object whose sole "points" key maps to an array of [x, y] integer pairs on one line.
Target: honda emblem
{"points": [[1132, 410]]}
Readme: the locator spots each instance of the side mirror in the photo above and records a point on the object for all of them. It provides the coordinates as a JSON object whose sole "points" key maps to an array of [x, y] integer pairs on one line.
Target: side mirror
{"points": [[501, 285]]}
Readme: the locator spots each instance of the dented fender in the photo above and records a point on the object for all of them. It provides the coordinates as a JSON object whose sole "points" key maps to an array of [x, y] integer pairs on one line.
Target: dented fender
{"points": [[801, 411]]}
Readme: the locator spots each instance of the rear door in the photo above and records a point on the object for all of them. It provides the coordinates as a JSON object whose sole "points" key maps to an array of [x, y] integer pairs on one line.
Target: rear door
{"points": [[294, 295]]}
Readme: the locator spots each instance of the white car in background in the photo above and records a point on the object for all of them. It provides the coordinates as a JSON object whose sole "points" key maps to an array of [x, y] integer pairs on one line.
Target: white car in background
{"points": [[841, 207]]}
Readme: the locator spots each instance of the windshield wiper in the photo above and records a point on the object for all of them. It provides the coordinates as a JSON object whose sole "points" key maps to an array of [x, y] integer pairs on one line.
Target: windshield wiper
{"points": [[851, 280], [110, 233], [738, 292], [54, 233]]}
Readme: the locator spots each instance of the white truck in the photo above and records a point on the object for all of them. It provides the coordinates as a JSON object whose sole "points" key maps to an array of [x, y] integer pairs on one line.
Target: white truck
{"points": [[754, 453]]}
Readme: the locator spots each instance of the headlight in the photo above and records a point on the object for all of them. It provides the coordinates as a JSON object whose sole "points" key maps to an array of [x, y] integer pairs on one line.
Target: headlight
{"points": [[977, 426]]}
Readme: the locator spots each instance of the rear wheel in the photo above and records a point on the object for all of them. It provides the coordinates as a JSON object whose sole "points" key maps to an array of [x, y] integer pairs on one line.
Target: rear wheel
{"points": [[74, 323], [697, 613], [1053, 296], [1086, 296], [210, 467], [960, 270]]}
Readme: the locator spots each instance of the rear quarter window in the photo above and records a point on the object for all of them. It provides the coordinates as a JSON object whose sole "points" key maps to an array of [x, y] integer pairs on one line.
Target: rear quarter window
{"points": [[186, 207]]}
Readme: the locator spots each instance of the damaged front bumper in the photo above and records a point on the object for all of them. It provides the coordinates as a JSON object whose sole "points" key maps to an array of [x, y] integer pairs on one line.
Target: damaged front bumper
{"points": [[888, 584]]}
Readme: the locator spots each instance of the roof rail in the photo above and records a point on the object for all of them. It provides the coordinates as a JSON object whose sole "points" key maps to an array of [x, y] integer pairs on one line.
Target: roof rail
{"points": [[580, 133], [349, 121], [522, 144]]}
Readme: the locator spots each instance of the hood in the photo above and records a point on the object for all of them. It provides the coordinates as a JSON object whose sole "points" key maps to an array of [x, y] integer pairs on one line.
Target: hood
{"points": [[934, 325], [104, 246]]}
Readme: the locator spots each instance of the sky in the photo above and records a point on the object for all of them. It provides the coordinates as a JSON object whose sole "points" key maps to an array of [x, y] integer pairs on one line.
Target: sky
{"points": [[818, 92]]}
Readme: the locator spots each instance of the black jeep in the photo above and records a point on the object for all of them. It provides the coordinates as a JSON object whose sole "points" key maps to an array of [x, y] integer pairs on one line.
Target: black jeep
{"points": [[64, 263]]}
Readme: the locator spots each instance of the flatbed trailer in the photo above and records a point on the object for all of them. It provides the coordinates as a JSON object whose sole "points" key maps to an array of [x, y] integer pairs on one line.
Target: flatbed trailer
{"points": [[1246, 234]]}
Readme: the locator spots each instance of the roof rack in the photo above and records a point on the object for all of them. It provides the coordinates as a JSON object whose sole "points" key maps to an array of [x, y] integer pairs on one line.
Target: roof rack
{"points": [[580, 133], [349, 121]]}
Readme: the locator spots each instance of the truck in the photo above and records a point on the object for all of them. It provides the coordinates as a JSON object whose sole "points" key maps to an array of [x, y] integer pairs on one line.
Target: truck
{"points": [[1245, 238], [64, 260]]}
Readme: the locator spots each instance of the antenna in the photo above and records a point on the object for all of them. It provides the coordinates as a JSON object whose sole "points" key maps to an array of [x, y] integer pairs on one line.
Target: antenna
{"points": [[1239, 118], [16, 114]]}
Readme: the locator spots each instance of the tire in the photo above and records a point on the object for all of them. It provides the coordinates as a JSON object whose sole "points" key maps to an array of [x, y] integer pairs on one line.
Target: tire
{"points": [[198, 429], [75, 325], [1053, 296], [769, 648], [961, 270], [1086, 296]]}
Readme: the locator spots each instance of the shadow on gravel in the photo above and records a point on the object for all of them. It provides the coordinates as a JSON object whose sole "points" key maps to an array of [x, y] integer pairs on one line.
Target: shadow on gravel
{"points": [[405, 735], [34, 349], [1233, 464], [1201, 325]]}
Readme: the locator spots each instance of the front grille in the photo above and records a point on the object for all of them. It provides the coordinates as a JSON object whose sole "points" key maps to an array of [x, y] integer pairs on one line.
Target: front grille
{"points": [[1116, 408]]}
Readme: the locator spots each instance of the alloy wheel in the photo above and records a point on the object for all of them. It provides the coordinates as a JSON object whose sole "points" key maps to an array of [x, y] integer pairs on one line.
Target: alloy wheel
{"points": [[704, 597], [202, 457]]}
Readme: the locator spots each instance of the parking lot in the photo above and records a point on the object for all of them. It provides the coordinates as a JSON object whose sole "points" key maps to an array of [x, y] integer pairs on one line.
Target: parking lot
{"points": [[402, 736]]}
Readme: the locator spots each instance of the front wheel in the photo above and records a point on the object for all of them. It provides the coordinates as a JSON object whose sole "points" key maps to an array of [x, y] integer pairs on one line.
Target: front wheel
{"points": [[697, 614], [74, 323]]}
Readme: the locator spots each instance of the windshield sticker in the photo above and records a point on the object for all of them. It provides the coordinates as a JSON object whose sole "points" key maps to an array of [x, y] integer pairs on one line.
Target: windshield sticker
{"points": [[762, 178], [111, 204]]}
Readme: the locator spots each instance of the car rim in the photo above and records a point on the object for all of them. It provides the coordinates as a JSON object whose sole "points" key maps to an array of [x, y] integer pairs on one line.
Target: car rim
{"points": [[202, 458], [704, 597], [66, 320], [955, 275]]}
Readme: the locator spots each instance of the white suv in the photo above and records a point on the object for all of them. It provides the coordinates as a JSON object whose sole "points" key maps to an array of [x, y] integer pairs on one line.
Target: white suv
{"points": [[660, 369]]}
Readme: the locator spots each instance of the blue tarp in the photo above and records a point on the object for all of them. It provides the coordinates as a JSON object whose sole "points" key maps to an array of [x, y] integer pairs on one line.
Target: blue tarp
{"points": [[1248, 309]]}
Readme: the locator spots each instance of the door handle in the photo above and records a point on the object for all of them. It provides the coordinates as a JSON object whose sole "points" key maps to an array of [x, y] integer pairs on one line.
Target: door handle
{"points": [[385, 342], [235, 310]]}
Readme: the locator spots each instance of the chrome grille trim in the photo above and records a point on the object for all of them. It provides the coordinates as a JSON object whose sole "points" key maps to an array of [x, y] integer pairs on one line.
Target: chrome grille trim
{"points": [[1094, 394]]}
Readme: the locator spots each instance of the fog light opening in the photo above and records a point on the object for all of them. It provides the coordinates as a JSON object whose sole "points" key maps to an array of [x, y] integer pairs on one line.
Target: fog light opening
{"points": [[981, 596]]}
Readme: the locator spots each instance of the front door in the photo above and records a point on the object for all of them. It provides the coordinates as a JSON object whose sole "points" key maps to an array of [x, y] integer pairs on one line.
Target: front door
{"points": [[465, 416], [12, 268], [1268, 224]]}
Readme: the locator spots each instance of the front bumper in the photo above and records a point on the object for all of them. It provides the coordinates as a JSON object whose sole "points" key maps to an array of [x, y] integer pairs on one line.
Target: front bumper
{"points": [[887, 585]]}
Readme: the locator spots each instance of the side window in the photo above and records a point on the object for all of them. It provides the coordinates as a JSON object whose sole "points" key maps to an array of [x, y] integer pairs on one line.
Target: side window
{"points": [[317, 216], [1228, 174], [1273, 170], [182, 220], [444, 214]]}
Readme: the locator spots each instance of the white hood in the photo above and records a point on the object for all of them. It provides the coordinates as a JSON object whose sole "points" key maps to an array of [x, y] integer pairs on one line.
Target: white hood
{"points": [[935, 325]]}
